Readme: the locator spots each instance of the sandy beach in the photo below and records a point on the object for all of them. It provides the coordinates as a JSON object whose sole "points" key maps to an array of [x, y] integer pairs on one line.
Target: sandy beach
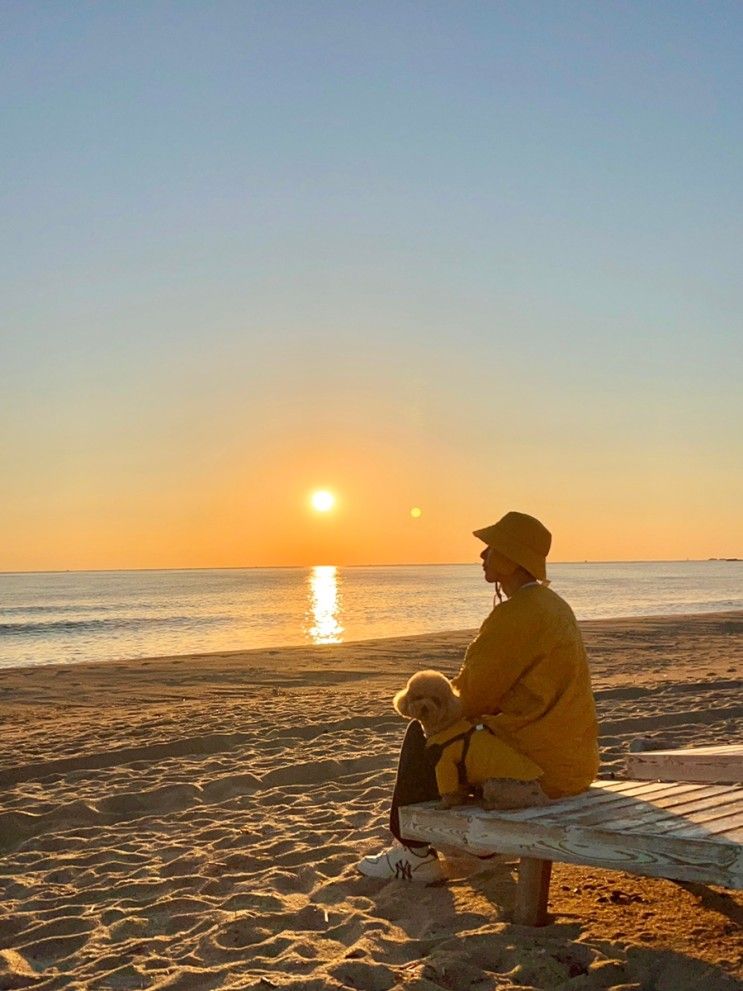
{"points": [[193, 823]]}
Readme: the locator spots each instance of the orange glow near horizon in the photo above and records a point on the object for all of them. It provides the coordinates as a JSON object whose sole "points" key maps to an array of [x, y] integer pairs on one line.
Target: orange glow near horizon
{"points": [[271, 528], [225, 510]]}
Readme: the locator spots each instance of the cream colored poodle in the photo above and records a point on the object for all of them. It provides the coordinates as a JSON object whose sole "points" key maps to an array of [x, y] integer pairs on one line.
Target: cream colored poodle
{"points": [[471, 757]]}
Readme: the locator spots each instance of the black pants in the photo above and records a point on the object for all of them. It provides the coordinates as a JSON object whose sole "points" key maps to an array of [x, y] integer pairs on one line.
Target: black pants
{"points": [[416, 778]]}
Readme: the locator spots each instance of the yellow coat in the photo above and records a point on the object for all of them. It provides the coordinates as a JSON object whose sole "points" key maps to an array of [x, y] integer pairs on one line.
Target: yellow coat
{"points": [[487, 756], [528, 667]]}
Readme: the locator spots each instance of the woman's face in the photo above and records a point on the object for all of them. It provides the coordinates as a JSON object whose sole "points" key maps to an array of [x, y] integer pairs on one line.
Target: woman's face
{"points": [[499, 569], [489, 566]]}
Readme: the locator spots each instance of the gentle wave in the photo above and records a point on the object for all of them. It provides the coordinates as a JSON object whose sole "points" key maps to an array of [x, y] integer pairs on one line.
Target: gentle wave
{"points": [[32, 610], [95, 625], [71, 607]]}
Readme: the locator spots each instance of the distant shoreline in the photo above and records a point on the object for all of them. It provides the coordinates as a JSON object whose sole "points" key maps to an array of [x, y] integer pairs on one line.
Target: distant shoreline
{"points": [[309, 567]]}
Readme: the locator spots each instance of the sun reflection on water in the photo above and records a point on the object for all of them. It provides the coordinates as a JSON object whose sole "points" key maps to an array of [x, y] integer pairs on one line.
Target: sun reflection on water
{"points": [[324, 605]]}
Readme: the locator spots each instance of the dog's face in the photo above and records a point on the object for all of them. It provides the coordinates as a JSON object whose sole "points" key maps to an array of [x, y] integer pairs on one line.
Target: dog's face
{"points": [[429, 698]]}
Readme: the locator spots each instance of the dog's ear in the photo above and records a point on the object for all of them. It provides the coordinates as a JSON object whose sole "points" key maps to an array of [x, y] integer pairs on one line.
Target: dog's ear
{"points": [[400, 702]]}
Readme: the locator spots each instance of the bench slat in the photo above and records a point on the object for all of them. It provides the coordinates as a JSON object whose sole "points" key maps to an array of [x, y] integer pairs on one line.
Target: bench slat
{"points": [[611, 792], [715, 828], [605, 811], [605, 800], [653, 791], [717, 825], [698, 811]]}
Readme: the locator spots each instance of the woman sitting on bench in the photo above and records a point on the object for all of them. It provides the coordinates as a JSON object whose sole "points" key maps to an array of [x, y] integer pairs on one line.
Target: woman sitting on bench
{"points": [[528, 667]]}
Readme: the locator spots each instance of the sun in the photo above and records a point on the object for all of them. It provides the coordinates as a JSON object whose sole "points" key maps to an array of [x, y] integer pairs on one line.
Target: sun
{"points": [[322, 500]]}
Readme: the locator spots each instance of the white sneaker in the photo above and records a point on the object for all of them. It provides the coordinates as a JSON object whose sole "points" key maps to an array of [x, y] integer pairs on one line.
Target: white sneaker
{"points": [[418, 864]]}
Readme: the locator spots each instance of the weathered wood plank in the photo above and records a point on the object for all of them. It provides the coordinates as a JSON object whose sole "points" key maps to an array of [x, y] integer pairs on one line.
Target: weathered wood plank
{"points": [[714, 828], [655, 789], [639, 854], [595, 809], [604, 801], [698, 809], [636, 788], [687, 807], [651, 818], [714, 823], [600, 793], [687, 859], [719, 763], [686, 793], [702, 795]]}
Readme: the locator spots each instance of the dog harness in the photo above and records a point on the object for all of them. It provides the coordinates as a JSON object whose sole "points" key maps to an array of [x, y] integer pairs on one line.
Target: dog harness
{"points": [[461, 765], [467, 754]]}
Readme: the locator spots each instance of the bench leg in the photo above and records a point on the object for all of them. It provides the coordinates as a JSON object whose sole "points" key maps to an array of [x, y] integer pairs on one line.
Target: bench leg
{"points": [[532, 892]]}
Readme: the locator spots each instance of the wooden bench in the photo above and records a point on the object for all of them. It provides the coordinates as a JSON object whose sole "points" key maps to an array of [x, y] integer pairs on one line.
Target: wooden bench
{"points": [[686, 831]]}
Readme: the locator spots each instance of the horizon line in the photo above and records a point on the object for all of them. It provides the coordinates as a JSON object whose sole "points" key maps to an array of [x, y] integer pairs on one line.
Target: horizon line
{"points": [[407, 564]]}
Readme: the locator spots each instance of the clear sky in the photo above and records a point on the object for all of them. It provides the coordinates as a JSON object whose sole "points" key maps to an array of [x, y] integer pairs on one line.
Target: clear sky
{"points": [[464, 256]]}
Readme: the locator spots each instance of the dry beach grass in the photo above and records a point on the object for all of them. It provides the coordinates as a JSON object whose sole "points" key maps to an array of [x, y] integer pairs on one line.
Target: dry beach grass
{"points": [[193, 823]]}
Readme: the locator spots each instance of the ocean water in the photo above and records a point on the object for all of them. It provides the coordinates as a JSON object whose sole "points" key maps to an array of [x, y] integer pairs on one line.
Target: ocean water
{"points": [[77, 616]]}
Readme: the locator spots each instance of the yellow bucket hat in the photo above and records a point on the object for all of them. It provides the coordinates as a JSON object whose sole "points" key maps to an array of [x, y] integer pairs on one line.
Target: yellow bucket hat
{"points": [[522, 539]]}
